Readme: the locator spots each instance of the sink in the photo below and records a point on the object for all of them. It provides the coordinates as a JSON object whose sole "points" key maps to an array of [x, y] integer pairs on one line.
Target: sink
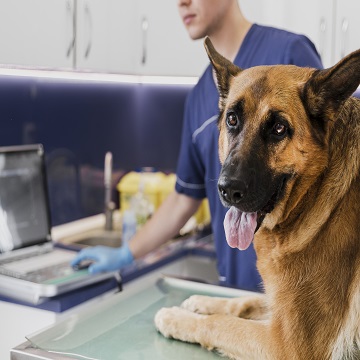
{"points": [[94, 237]]}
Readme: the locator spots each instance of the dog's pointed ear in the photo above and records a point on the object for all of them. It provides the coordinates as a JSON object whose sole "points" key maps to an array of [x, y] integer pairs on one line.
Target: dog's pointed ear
{"points": [[328, 89], [224, 68]]}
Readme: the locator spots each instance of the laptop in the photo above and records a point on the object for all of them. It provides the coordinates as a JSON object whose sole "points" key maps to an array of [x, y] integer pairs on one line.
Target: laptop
{"points": [[32, 269]]}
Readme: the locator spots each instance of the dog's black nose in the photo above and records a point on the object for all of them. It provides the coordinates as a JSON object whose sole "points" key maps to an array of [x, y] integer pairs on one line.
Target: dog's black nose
{"points": [[232, 191]]}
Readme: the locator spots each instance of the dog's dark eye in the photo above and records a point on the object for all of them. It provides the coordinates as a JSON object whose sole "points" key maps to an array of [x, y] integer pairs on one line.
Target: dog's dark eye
{"points": [[276, 127], [232, 120], [279, 129]]}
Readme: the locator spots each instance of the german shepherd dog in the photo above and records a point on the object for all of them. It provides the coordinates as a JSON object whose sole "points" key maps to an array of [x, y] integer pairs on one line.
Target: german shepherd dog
{"points": [[290, 151]]}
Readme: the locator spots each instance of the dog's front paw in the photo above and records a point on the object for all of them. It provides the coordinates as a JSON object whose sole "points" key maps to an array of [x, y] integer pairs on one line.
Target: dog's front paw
{"points": [[163, 321], [194, 303], [201, 304], [177, 323]]}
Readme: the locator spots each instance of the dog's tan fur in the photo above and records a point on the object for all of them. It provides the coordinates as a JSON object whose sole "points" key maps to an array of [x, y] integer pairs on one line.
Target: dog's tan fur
{"points": [[308, 246]]}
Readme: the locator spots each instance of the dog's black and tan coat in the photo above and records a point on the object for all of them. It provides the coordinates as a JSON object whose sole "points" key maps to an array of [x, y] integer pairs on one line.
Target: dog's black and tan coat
{"points": [[290, 152]]}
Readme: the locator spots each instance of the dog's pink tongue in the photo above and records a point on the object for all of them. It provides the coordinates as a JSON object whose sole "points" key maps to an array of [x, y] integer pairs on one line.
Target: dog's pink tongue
{"points": [[239, 228]]}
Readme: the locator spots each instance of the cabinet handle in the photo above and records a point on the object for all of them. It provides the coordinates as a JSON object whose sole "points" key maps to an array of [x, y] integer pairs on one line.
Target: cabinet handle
{"points": [[89, 21], [322, 36], [144, 29], [344, 32], [71, 15]]}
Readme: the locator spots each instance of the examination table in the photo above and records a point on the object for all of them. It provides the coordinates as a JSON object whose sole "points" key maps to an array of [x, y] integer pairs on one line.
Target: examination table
{"points": [[122, 326]]}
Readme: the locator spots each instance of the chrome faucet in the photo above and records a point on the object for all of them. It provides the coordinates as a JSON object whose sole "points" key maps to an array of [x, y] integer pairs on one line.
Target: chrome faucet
{"points": [[109, 204]]}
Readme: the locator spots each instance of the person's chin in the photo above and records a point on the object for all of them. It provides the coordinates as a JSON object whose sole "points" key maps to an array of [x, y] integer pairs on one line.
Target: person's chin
{"points": [[195, 34]]}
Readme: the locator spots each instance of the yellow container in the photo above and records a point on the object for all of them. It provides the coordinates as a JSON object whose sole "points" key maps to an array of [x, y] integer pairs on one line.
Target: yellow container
{"points": [[156, 186], [133, 182]]}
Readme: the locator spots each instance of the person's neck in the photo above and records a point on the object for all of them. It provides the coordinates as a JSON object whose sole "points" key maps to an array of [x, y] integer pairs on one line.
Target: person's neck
{"points": [[228, 39]]}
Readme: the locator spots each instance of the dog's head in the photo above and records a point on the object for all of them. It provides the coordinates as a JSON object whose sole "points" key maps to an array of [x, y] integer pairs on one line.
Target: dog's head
{"points": [[274, 123]]}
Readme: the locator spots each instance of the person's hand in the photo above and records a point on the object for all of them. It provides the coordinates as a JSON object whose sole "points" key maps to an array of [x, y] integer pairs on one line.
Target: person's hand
{"points": [[105, 258]]}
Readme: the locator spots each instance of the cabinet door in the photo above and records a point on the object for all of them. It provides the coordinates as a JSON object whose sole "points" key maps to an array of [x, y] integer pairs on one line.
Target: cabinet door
{"points": [[165, 47], [37, 33], [106, 35], [316, 24], [347, 37]]}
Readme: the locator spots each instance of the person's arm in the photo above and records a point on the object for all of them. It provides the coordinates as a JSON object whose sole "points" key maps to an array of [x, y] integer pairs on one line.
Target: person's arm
{"points": [[164, 224]]}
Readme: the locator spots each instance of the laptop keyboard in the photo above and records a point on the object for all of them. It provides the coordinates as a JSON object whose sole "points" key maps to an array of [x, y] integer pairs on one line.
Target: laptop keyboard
{"points": [[39, 267], [51, 272], [41, 275], [25, 256]]}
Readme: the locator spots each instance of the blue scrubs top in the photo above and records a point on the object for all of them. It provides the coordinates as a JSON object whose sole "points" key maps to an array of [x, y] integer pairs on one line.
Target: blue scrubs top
{"points": [[198, 165]]}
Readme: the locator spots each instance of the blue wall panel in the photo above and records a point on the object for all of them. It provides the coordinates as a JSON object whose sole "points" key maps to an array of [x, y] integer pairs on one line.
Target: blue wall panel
{"points": [[78, 122]]}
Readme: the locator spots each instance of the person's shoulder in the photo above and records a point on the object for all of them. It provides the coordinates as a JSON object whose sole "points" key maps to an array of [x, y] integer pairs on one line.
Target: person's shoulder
{"points": [[289, 47], [278, 34]]}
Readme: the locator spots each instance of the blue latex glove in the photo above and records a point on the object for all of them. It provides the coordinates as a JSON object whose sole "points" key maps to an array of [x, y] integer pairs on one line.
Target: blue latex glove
{"points": [[105, 258]]}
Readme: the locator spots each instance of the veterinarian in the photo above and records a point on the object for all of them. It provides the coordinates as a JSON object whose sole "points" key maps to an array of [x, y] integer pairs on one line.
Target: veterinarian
{"points": [[247, 45]]}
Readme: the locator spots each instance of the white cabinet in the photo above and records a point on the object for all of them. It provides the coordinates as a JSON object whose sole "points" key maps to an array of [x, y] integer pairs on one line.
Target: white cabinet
{"points": [[144, 37], [164, 46], [147, 37], [347, 25], [332, 25], [37, 33], [105, 38]]}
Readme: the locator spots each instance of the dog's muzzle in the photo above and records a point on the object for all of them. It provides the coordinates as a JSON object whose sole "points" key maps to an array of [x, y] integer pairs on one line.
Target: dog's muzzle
{"points": [[260, 197]]}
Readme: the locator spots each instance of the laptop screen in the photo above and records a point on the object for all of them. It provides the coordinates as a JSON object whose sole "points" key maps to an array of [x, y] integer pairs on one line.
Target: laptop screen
{"points": [[24, 211]]}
